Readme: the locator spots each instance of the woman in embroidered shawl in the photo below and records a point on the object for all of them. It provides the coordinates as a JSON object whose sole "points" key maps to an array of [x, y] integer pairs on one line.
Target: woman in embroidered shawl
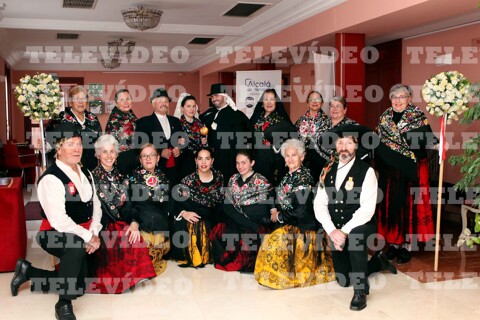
{"points": [[247, 216], [121, 124], [294, 255], [405, 211], [84, 121], [274, 125], [148, 205], [187, 112], [309, 126], [198, 209], [122, 259]]}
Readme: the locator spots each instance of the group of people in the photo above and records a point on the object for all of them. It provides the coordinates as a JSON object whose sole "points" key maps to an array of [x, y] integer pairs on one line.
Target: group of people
{"points": [[199, 190]]}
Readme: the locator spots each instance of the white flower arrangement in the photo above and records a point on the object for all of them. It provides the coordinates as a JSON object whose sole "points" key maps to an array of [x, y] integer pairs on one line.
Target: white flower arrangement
{"points": [[39, 97], [447, 93]]}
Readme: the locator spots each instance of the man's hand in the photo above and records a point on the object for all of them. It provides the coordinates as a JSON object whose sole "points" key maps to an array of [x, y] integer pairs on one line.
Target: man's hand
{"points": [[176, 152], [166, 153], [93, 244], [339, 238]]}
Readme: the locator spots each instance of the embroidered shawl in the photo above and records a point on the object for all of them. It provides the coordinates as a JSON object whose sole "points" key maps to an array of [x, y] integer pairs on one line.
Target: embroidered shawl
{"points": [[193, 132], [300, 179], [254, 190], [208, 194], [122, 126]]}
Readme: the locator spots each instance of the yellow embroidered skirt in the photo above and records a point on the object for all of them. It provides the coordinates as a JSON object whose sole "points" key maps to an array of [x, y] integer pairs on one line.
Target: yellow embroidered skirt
{"points": [[197, 253], [290, 258], [158, 245]]}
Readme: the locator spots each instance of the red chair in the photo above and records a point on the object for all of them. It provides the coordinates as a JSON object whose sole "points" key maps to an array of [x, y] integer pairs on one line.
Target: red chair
{"points": [[19, 156]]}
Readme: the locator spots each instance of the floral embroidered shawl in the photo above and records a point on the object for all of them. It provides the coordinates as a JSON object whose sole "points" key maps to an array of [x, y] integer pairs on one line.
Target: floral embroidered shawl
{"points": [[254, 190], [112, 188], [309, 128], [91, 123], [155, 184], [301, 179], [193, 132], [208, 194], [122, 126], [393, 135], [264, 122]]}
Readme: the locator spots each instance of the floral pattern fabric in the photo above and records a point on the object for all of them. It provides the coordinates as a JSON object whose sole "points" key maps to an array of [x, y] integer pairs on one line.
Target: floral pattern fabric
{"points": [[207, 194], [309, 129], [122, 126], [112, 188], [393, 135], [91, 123], [155, 184], [264, 122], [193, 132], [300, 179], [255, 190]]}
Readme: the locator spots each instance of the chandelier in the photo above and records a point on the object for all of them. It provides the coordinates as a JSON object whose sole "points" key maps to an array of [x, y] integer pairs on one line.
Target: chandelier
{"points": [[111, 62], [142, 19], [115, 49]]}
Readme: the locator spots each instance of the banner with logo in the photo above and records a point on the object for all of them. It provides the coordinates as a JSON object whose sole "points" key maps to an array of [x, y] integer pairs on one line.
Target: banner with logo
{"points": [[250, 86]]}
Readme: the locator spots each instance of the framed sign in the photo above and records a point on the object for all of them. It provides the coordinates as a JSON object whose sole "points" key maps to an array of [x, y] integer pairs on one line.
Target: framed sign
{"points": [[95, 89], [96, 106]]}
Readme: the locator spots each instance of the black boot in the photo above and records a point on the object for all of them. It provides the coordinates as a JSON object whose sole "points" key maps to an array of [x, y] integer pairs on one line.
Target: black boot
{"points": [[391, 253], [385, 264], [64, 311], [359, 300], [20, 276], [404, 256]]}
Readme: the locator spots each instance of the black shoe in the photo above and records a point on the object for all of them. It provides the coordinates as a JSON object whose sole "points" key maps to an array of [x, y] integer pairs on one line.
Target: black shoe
{"points": [[64, 311], [20, 275], [359, 300], [385, 264], [403, 256], [391, 253]]}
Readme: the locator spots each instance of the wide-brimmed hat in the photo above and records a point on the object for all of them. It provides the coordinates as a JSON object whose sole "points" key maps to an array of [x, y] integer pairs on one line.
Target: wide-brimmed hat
{"points": [[61, 132], [328, 138], [217, 88], [160, 92]]}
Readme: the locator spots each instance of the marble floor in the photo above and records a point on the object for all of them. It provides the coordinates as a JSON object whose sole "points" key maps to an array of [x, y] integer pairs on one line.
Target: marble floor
{"points": [[416, 292]]}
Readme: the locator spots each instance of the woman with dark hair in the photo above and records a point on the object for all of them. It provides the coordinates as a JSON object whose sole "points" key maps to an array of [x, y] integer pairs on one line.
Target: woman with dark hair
{"points": [[247, 216], [84, 121], [122, 260], [198, 209], [148, 205], [121, 125], [187, 112], [272, 126], [294, 254], [309, 126]]}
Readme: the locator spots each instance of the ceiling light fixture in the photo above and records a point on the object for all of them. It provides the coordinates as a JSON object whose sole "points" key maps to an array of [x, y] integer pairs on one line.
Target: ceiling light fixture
{"points": [[111, 63], [141, 18], [121, 46]]}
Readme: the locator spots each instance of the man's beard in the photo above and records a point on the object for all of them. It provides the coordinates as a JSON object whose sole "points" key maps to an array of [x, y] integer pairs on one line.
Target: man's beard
{"points": [[345, 156]]}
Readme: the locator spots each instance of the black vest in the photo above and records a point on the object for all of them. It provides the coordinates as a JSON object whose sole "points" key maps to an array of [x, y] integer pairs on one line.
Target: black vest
{"points": [[77, 210], [343, 203]]}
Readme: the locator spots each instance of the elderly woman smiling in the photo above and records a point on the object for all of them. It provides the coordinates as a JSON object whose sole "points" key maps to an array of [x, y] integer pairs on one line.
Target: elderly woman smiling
{"points": [[292, 256]]}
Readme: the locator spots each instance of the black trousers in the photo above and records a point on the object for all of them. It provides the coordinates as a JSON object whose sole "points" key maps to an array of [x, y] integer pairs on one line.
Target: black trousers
{"points": [[69, 280], [351, 264]]}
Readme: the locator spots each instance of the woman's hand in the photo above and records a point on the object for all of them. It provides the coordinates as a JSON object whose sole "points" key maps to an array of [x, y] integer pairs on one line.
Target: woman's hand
{"points": [[190, 216], [133, 233], [93, 244]]}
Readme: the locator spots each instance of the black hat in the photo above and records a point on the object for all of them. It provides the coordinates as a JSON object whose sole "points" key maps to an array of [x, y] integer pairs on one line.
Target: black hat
{"points": [[61, 132], [160, 92], [217, 88]]}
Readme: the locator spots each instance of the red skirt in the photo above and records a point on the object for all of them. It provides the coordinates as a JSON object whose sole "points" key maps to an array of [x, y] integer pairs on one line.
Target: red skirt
{"points": [[417, 211], [118, 265]]}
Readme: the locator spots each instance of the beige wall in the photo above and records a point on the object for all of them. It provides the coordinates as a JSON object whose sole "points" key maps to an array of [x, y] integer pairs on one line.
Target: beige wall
{"points": [[416, 71]]}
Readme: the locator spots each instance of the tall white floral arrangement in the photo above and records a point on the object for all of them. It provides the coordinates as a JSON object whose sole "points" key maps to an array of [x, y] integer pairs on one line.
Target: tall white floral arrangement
{"points": [[447, 93], [39, 97]]}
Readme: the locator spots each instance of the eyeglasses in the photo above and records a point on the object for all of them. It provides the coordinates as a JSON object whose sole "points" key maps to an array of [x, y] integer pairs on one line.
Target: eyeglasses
{"points": [[79, 99], [399, 97], [148, 156], [315, 100]]}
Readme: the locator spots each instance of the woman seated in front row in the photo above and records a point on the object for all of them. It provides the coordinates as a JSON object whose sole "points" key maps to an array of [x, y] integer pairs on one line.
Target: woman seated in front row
{"points": [[294, 255], [148, 205], [198, 209], [247, 216], [122, 259]]}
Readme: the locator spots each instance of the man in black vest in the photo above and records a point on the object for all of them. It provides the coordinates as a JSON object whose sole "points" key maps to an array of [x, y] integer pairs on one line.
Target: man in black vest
{"points": [[71, 215], [345, 205], [165, 132], [228, 130]]}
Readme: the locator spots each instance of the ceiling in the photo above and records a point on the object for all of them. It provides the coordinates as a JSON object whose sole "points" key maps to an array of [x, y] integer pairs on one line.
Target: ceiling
{"points": [[28, 30]]}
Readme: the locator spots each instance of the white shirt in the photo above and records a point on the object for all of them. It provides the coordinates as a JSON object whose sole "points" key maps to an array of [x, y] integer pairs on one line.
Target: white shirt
{"points": [[368, 200], [51, 194], [165, 125]]}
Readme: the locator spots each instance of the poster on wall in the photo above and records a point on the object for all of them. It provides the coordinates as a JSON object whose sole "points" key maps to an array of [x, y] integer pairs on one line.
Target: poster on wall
{"points": [[96, 106], [95, 89], [325, 78], [250, 86]]}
